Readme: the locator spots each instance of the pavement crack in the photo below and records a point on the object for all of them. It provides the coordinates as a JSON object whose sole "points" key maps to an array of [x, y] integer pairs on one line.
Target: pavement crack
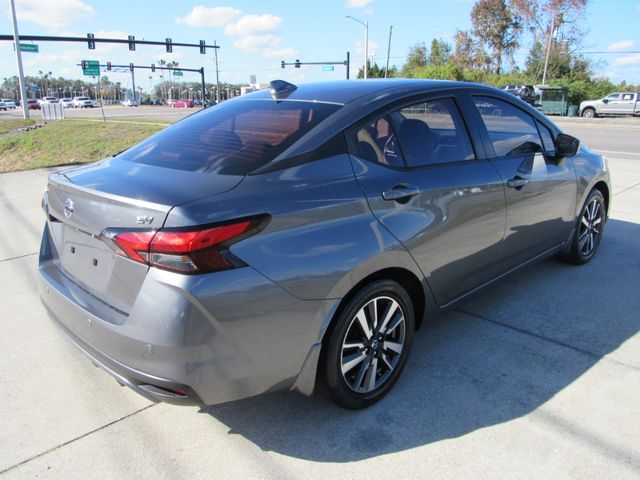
{"points": [[19, 256], [628, 188], [80, 437], [550, 340]]}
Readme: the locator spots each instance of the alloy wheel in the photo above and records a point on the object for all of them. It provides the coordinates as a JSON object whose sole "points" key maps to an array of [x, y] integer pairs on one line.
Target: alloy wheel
{"points": [[373, 344], [590, 228]]}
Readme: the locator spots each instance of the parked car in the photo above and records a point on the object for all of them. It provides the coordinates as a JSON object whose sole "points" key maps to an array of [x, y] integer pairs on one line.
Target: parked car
{"points": [[182, 104], [48, 100], [9, 103], [146, 101], [620, 103], [305, 232], [82, 102], [67, 102], [130, 102], [3, 106], [33, 104]]}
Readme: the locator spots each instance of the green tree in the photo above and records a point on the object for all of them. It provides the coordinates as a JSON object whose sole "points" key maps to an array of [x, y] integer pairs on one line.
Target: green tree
{"points": [[495, 25], [468, 54], [376, 71], [439, 53], [417, 58]]}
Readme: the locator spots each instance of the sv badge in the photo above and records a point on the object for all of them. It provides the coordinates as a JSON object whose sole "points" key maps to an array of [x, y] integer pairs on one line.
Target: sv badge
{"points": [[142, 219]]}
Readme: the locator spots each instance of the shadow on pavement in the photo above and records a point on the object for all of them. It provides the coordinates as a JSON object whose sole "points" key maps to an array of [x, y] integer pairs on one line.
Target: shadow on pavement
{"points": [[497, 357]]}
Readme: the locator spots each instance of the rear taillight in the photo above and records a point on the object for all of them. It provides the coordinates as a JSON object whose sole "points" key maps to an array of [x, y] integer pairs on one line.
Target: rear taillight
{"points": [[184, 250]]}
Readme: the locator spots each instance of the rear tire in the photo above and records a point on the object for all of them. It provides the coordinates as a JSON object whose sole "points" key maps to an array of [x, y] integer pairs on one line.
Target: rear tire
{"points": [[369, 345], [588, 231]]}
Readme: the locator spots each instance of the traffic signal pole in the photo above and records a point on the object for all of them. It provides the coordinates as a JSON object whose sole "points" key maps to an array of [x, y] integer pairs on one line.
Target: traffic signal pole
{"points": [[298, 63], [153, 68], [133, 82], [16, 39]]}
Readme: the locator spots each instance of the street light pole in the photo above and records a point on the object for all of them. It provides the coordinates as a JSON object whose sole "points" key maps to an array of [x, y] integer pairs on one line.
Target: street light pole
{"points": [[16, 40], [366, 43]]}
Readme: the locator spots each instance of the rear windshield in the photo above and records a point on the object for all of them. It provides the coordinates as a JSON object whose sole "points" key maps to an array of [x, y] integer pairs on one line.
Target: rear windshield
{"points": [[233, 138]]}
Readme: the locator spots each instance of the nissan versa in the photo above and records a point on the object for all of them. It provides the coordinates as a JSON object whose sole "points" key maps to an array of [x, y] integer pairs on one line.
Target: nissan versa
{"points": [[298, 236]]}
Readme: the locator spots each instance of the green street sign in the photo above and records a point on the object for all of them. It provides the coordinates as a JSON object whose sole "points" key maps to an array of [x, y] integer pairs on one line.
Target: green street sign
{"points": [[91, 68], [177, 74], [327, 68], [29, 47]]}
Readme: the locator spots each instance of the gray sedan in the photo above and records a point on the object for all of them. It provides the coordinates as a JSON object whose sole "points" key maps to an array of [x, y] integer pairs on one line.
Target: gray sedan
{"points": [[298, 237]]}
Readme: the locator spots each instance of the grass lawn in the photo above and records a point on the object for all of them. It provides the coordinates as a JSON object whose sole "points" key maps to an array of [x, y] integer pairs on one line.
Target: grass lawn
{"points": [[69, 142], [13, 124]]}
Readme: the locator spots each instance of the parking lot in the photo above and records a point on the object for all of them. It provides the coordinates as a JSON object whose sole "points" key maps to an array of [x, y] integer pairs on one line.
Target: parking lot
{"points": [[537, 376]]}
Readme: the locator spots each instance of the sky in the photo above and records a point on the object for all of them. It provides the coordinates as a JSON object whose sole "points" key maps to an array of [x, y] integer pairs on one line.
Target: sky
{"points": [[254, 36]]}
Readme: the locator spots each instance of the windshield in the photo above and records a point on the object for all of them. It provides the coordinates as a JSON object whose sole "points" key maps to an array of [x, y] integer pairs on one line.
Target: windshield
{"points": [[233, 138]]}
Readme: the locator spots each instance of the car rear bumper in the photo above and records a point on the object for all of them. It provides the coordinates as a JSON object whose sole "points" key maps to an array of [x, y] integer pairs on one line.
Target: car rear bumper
{"points": [[190, 339]]}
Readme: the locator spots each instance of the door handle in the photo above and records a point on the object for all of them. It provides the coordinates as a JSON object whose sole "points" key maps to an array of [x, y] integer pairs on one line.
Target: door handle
{"points": [[400, 192], [517, 182]]}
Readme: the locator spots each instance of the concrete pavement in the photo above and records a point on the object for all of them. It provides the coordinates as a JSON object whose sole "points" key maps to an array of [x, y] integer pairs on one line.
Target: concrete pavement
{"points": [[537, 376]]}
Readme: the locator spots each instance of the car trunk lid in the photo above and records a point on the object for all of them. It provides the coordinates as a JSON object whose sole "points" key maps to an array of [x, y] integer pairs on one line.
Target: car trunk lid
{"points": [[84, 202]]}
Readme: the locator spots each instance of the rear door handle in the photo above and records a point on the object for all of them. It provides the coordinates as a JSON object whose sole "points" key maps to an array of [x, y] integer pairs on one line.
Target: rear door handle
{"points": [[400, 192], [517, 182]]}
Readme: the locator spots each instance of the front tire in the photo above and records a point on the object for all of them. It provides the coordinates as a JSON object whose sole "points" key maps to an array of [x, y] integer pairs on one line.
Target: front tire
{"points": [[589, 113], [369, 345], [588, 231]]}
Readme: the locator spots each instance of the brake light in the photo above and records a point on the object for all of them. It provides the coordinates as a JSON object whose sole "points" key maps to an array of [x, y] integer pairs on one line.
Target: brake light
{"points": [[193, 250]]}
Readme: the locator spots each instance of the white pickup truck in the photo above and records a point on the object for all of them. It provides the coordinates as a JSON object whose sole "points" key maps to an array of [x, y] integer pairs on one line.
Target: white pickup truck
{"points": [[620, 103]]}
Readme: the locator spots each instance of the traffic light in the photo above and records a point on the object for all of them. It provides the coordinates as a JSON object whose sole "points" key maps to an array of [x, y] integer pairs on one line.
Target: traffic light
{"points": [[108, 65], [203, 47], [169, 45], [84, 64], [131, 67], [282, 64], [153, 67], [132, 43], [90, 42], [297, 65]]}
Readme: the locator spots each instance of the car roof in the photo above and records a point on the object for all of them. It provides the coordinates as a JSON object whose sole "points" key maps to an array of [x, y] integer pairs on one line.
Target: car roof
{"points": [[347, 91]]}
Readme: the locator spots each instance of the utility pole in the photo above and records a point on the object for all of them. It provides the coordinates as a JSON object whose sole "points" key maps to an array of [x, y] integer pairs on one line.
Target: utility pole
{"points": [[215, 51], [546, 60], [16, 39], [386, 69]]}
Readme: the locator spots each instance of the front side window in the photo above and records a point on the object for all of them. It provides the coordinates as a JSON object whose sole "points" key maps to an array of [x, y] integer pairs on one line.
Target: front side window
{"points": [[512, 131], [232, 138], [432, 133], [547, 139], [613, 96], [377, 143]]}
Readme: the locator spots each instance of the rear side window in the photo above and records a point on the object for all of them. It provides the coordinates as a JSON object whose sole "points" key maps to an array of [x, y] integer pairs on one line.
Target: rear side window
{"points": [[432, 132], [512, 131], [233, 138]]}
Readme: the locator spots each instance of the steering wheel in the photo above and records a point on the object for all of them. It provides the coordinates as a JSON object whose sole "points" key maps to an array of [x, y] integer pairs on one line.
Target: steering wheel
{"points": [[390, 150]]}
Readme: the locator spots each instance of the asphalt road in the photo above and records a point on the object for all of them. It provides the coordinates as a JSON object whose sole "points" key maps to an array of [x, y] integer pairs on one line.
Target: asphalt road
{"points": [[536, 377], [112, 111]]}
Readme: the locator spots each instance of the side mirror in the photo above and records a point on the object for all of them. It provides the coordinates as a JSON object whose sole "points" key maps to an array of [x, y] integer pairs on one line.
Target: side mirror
{"points": [[605, 101], [566, 145]]}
